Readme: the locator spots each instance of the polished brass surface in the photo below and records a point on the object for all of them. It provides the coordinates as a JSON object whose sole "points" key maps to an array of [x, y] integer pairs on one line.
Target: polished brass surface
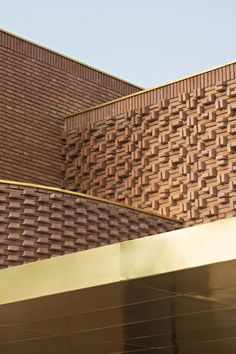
{"points": [[173, 293]]}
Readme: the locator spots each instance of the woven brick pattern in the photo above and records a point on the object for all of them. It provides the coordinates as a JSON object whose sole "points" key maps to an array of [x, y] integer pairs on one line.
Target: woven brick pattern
{"points": [[36, 224], [176, 156], [37, 89]]}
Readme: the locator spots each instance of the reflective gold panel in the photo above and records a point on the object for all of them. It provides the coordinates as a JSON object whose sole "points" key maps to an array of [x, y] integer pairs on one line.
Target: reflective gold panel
{"points": [[173, 293]]}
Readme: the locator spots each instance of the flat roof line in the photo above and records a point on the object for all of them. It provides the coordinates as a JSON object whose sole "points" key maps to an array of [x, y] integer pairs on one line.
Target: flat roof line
{"points": [[147, 90], [87, 196], [70, 58]]}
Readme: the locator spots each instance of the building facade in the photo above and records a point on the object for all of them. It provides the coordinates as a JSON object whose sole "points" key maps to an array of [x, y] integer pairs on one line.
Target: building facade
{"points": [[90, 160]]}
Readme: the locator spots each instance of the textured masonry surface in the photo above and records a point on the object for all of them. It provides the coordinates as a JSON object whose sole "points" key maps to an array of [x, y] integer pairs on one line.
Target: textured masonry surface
{"points": [[36, 223], [172, 151], [37, 89]]}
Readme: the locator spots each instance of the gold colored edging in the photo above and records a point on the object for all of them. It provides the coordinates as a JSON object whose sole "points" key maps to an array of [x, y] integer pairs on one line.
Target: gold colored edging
{"points": [[191, 247], [87, 196], [70, 58], [147, 90]]}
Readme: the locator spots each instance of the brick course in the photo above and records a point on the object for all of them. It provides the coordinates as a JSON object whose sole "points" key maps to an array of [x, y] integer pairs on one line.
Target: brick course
{"points": [[38, 88], [38, 223], [172, 151]]}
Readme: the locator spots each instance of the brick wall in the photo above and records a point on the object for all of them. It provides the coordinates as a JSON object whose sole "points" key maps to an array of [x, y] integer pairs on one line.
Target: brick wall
{"points": [[37, 89], [38, 223], [171, 149]]}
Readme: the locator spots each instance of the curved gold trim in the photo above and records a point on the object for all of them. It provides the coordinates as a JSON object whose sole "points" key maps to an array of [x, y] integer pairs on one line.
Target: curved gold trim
{"points": [[70, 58], [87, 196], [146, 90]]}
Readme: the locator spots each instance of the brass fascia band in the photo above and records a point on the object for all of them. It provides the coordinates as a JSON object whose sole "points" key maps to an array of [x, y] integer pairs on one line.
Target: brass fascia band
{"points": [[172, 251]]}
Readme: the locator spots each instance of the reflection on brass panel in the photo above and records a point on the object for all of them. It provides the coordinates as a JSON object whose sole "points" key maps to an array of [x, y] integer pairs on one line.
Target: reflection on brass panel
{"points": [[97, 302]]}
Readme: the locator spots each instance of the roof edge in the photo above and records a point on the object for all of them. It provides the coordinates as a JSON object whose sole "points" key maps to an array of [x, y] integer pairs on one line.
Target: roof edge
{"points": [[147, 90], [144, 257], [87, 196], [70, 58]]}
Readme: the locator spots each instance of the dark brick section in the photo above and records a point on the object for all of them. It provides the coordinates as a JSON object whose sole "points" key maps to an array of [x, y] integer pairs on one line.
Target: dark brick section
{"points": [[176, 156], [37, 89], [36, 223]]}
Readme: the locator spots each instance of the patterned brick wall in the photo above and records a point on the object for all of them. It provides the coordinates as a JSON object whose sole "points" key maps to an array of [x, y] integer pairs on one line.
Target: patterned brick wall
{"points": [[38, 223], [37, 89], [175, 155]]}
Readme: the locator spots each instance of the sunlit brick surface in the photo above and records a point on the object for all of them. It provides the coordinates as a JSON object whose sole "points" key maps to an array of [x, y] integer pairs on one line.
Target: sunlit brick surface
{"points": [[37, 89], [36, 223], [176, 154]]}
